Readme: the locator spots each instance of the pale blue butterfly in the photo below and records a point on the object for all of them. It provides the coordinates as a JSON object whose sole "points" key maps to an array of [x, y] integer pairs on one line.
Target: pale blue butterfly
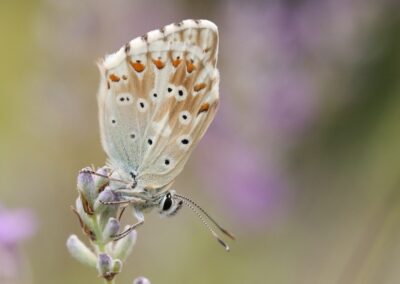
{"points": [[158, 94]]}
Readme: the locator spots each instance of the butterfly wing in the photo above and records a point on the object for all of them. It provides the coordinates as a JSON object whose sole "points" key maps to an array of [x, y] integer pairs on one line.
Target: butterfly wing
{"points": [[157, 97]]}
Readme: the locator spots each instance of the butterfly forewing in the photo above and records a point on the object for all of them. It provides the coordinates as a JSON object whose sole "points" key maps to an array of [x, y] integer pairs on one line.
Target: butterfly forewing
{"points": [[157, 97]]}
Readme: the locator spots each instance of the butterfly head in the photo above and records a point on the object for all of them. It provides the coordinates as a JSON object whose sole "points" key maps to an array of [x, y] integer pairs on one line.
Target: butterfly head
{"points": [[168, 204]]}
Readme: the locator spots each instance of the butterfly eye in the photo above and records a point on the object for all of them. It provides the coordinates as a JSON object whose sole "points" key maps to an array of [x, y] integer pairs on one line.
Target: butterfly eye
{"points": [[185, 117], [167, 202], [169, 206]]}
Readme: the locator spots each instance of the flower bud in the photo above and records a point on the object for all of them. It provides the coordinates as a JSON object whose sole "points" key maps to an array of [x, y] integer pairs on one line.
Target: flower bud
{"points": [[85, 182], [104, 263], [141, 280], [123, 247], [106, 211], [80, 251], [106, 195], [87, 189], [100, 182], [84, 218], [111, 229], [117, 266]]}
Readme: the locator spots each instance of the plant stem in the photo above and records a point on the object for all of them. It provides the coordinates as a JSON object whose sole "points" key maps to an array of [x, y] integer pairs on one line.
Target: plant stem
{"points": [[99, 243], [97, 231]]}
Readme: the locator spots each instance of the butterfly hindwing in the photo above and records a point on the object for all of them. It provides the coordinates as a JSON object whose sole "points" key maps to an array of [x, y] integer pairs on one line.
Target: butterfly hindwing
{"points": [[157, 98]]}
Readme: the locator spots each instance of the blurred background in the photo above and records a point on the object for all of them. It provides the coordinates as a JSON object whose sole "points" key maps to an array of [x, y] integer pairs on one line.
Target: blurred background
{"points": [[302, 161]]}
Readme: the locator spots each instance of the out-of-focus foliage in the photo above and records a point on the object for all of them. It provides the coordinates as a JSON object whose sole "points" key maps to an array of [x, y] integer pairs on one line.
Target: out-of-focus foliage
{"points": [[302, 161]]}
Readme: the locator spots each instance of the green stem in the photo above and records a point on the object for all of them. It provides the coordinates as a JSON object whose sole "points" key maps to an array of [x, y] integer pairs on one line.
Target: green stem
{"points": [[97, 231], [99, 243]]}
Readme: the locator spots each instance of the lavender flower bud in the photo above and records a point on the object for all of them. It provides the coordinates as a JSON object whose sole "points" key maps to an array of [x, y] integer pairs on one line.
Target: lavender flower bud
{"points": [[83, 216], [117, 266], [106, 195], [86, 186], [141, 280], [124, 246], [101, 182], [111, 229], [80, 251], [104, 263], [106, 211]]}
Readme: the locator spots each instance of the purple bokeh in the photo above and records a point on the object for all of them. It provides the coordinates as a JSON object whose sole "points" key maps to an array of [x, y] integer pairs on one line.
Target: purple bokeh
{"points": [[16, 225], [273, 60], [250, 189]]}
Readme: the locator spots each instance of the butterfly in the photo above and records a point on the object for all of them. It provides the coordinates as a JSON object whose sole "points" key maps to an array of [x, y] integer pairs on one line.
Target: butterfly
{"points": [[157, 96]]}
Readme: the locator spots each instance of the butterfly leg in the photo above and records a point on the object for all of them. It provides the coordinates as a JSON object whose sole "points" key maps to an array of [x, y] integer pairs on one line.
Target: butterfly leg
{"points": [[127, 231], [123, 234], [121, 212], [129, 193], [124, 201]]}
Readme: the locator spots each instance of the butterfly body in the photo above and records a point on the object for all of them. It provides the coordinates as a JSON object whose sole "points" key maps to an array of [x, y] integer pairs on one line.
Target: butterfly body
{"points": [[158, 94]]}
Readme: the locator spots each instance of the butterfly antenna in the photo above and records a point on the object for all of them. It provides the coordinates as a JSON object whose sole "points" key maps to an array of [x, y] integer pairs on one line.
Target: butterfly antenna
{"points": [[188, 200], [206, 224], [105, 176]]}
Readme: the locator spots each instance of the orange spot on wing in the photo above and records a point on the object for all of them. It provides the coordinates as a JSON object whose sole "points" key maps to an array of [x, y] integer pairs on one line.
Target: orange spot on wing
{"points": [[114, 78], [190, 66], [139, 67], [176, 62], [199, 87], [204, 107], [159, 64]]}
